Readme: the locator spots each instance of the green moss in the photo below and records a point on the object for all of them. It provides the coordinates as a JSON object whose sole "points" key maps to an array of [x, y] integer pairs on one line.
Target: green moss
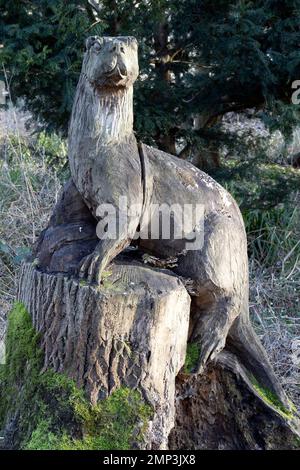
{"points": [[191, 358], [116, 285], [272, 399], [109, 425], [43, 439], [23, 357], [293, 407], [52, 412]]}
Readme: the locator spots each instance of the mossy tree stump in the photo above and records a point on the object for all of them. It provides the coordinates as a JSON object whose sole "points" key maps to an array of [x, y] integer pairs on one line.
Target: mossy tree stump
{"points": [[132, 331], [45, 410]]}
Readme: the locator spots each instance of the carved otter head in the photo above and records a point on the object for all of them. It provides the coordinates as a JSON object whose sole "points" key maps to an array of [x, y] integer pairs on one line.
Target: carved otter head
{"points": [[111, 62]]}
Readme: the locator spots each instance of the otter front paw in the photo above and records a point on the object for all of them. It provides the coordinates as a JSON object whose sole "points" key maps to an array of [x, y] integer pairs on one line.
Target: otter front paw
{"points": [[91, 268], [210, 348]]}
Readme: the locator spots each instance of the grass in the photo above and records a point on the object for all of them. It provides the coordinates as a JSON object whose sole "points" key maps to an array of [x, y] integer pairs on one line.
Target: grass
{"points": [[274, 236], [29, 188], [52, 412], [274, 269], [275, 311]]}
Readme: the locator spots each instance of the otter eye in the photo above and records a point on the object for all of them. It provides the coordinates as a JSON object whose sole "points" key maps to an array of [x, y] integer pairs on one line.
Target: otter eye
{"points": [[97, 47], [122, 49]]}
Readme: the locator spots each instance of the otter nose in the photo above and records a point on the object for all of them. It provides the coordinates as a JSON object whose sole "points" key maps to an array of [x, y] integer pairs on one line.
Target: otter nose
{"points": [[117, 47]]}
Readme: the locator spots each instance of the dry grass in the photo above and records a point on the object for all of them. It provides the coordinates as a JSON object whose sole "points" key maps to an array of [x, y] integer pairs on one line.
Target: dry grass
{"points": [[14, 121], [28, 191], [275, 310], [274, 244]]}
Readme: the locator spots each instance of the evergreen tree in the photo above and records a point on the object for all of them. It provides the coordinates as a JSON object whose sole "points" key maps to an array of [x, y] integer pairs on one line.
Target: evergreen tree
{"points": [[199, 60], [42, 53]]}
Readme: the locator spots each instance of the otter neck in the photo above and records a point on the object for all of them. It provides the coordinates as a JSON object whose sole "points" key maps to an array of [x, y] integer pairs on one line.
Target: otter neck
{"points": [[114, 116], [108, 113]]}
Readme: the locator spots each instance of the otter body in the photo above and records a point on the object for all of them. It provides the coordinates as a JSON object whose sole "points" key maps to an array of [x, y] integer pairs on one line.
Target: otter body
{"points": [[107, 163]]}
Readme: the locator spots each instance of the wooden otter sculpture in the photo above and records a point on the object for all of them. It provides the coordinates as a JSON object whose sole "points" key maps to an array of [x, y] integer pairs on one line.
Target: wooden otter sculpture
{"points": [[107, 162]]}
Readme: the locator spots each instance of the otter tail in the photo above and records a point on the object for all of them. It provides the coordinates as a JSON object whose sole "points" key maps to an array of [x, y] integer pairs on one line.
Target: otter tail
{"points": [[243, 342]]}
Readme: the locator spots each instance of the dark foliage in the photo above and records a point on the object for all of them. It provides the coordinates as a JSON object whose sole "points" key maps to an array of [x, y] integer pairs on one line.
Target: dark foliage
{"points": [[199, 59]]}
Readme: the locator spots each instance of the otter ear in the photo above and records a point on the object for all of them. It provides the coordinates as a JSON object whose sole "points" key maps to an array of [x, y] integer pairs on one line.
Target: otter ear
{"points": [[134, 41], [91, 41]]}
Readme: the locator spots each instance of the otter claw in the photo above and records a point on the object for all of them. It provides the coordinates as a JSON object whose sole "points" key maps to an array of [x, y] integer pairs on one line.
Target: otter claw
{"points": [[91, 269]]}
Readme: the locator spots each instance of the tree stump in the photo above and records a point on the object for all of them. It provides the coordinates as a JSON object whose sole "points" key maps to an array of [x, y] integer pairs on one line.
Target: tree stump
{"points": [[132, 331]]}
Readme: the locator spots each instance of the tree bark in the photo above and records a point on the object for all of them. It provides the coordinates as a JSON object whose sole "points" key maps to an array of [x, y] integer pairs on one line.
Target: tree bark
{"points": [[130, 332]]}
